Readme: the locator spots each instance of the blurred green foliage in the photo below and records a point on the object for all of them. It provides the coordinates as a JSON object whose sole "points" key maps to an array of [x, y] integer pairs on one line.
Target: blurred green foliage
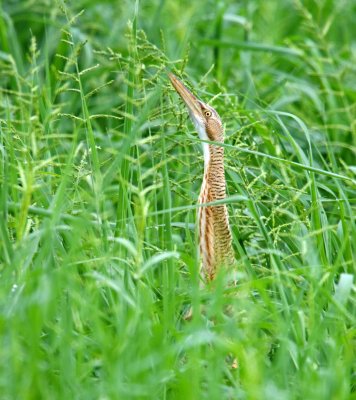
{"points": [[100, 172]]}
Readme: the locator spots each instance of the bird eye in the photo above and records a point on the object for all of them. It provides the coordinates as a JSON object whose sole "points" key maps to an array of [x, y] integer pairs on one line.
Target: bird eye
{"points": [[207, 113]]}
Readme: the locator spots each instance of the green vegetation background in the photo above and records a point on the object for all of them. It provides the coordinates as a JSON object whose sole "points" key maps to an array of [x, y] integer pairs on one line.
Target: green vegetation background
{"points": [[100, 173]]}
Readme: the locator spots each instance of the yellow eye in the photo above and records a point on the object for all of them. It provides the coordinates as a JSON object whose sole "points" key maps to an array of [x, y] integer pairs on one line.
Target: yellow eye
{"points": [[207, 113]]}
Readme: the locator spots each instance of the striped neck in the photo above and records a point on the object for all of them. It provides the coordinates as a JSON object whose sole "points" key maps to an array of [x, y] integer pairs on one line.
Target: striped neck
{"points": [[215, 240], [213, 154], [215, 172]]}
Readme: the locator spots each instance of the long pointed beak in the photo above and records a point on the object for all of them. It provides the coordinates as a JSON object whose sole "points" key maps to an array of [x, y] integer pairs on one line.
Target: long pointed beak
{"points": [[189, 99]]}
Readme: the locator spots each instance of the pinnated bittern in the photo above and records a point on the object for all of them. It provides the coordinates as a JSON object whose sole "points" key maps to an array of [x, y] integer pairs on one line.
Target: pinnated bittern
{"points": [[215, 242]]}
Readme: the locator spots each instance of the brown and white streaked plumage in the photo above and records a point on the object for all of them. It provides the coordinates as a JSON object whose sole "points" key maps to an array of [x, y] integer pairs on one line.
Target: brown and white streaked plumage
{"points": [[215, 242]]}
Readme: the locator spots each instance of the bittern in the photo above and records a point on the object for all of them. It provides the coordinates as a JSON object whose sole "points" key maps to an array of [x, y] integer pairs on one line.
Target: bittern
{"points": [[215, 243]]}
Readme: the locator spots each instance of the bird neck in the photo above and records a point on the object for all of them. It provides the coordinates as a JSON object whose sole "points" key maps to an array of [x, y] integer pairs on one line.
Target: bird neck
{"points": [[214, 171], [212, 153], [215, 239]]}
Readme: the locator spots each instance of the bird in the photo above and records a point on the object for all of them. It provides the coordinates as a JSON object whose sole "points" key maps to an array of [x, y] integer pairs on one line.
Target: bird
{"points": [[215, 239]]}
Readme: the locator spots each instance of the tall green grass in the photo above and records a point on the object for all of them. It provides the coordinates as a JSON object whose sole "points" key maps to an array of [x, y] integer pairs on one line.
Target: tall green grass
{"points": [[100, 174]]}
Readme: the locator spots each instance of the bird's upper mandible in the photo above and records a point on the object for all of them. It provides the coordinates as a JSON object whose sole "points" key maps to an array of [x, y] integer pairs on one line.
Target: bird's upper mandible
{"points": [[205, 118]]}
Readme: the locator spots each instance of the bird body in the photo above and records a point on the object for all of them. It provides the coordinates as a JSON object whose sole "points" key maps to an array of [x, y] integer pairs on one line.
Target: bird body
{"points": [[215, 241]]}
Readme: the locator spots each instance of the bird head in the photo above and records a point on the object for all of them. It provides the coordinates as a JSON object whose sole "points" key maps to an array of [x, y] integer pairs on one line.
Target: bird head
{"points": [[205, 118]]}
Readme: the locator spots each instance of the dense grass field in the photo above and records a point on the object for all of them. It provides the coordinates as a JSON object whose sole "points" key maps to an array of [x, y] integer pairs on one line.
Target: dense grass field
{"points": [[100, 170]]}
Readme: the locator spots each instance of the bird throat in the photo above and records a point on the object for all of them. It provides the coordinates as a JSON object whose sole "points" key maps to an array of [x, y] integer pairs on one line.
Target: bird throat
{"points": [[205, 146]]}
